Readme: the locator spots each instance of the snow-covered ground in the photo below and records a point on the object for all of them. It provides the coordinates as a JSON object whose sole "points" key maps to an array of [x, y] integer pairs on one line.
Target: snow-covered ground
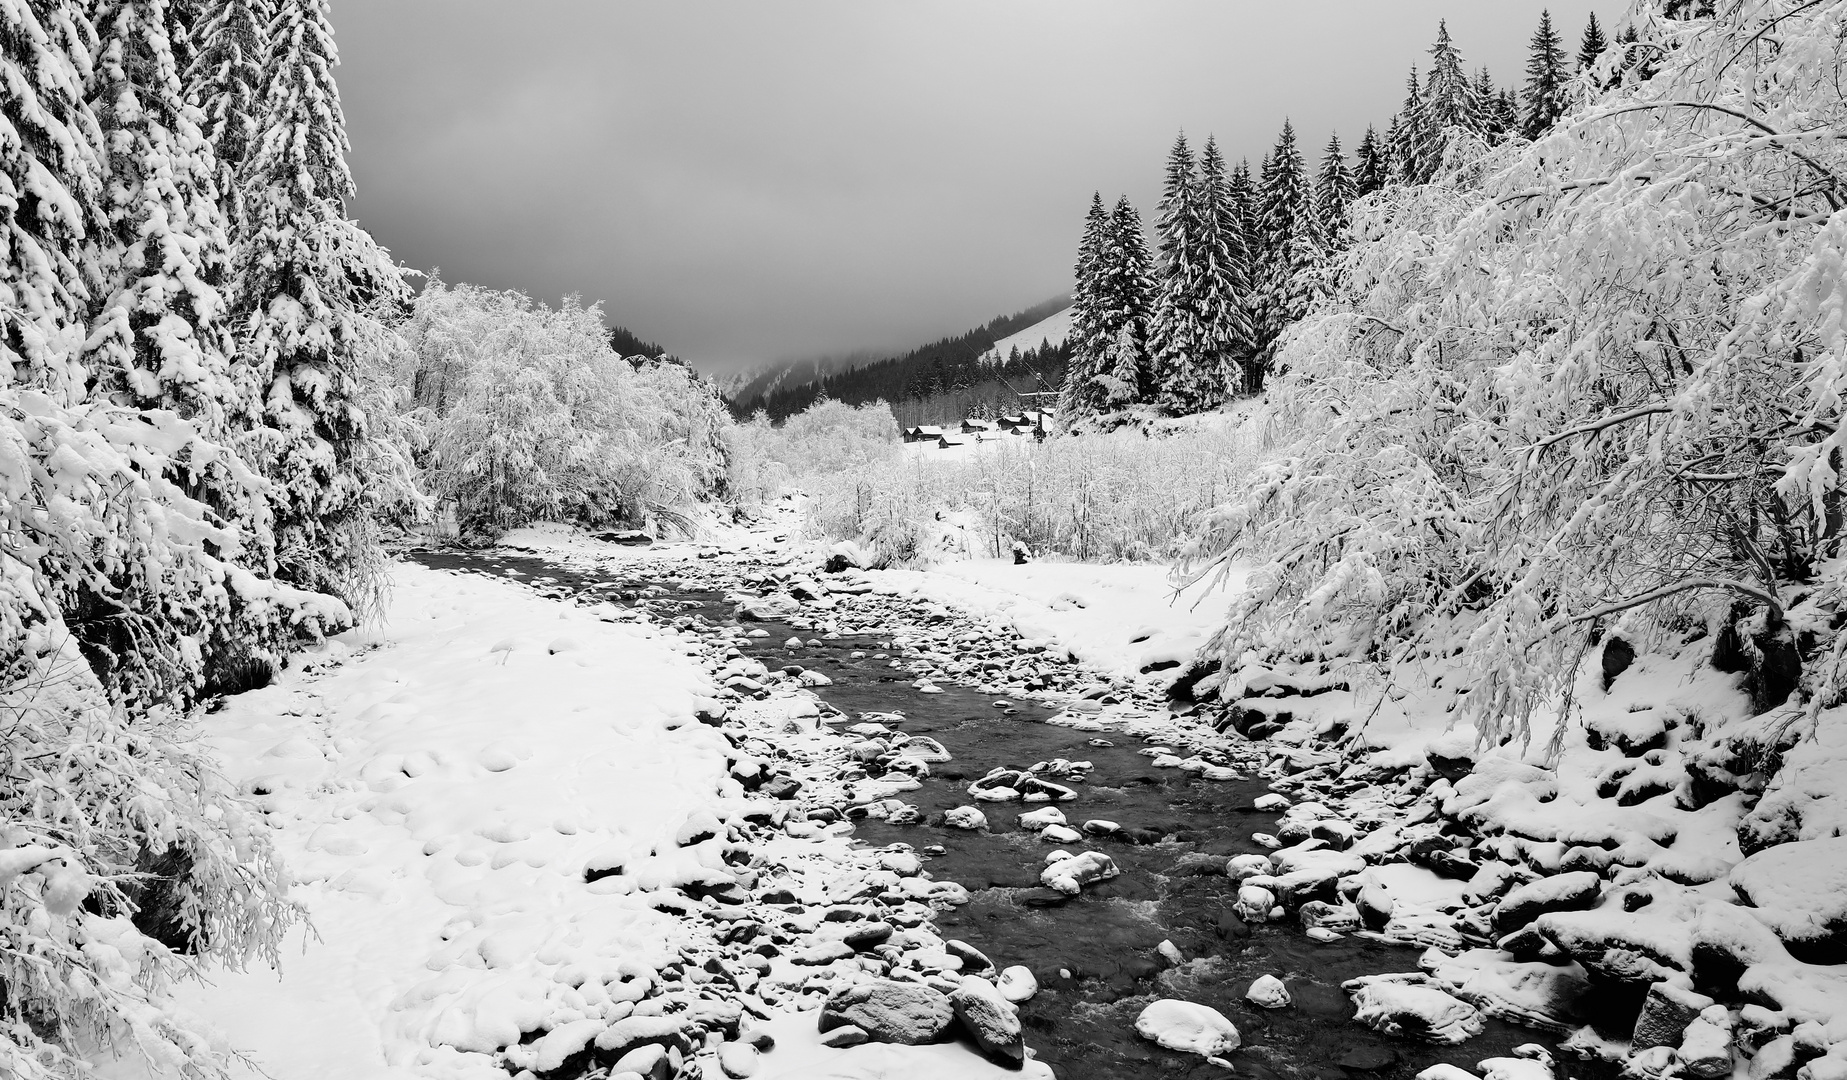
{"points": [[437, 788], [1053, 329]]}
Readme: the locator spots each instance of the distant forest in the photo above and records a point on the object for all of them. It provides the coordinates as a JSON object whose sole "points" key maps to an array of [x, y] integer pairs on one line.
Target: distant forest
{"points": [[626, 343], [939, 382]]}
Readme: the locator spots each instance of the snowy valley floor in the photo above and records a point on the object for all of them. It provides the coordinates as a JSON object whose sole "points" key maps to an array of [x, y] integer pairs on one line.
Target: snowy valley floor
{"points": [[442, 787]]}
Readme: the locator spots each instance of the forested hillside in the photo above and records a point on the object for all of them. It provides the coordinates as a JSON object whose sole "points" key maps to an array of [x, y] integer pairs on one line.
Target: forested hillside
{"points": [[944, 380]]}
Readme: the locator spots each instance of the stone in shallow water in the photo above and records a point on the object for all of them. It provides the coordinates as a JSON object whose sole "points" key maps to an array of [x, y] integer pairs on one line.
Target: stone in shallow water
{"points": [[1069, 876], [1017, 983], [1412, 1010], [1268, 992], [965, 817], [1187, 1026], [990, 1020]]}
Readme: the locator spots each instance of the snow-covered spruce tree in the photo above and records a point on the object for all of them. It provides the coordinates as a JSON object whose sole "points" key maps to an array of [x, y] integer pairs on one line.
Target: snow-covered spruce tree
{"points": [[1371, 165], [226, 80], [1451, 104], [1591, 48], [311, 286], [1594, 385], [1334, 195], [1080, 396], [1411, 137], [1290, 249], [158, 340], [1178, 337], [1547, 79], [54, 178], [1128, 299], [1226, 298]]}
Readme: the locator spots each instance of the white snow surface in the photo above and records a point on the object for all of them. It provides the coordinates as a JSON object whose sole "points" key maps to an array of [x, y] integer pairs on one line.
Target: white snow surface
{"points": [[1053, 329], [1118, 617]]}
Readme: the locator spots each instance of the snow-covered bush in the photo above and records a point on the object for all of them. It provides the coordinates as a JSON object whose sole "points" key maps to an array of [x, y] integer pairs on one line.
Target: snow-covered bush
{"points": [[825, 440], [529, 414], [1587, 384], [92, 803], [1126, 495]]}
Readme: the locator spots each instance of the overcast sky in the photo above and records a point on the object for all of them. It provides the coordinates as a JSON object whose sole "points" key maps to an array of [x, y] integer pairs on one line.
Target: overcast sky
{"points": [[748, 181]]}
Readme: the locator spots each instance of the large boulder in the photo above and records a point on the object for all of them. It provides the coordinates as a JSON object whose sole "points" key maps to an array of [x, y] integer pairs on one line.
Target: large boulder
{"points": [[1413, 1010], [909, 1014], [990, 1020], [1666, 1012], [1800, 891], [1069, 876], [1187, 1026], [1566, 892]]}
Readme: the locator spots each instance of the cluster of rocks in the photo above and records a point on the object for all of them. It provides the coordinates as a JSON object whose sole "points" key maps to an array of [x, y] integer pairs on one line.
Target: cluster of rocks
{"points": [[1589, 925]]}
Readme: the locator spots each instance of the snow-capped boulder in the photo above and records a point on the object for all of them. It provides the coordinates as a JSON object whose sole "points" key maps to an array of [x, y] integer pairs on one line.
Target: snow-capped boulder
{"points": [[965, 817], [1017, 983], [990, 1020], [1706, 1047], [1187, 1026], [1069, 876], [910, 1014], [1666, 1012], [1268, 992], [1800, 891], [1041, 818], [1576, 891], [1413, 1010]]}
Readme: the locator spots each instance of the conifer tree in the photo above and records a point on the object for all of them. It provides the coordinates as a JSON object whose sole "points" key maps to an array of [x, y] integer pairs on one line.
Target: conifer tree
{"points": [[1127, 297], [1179, 338], [1592, 46], [226, 79], [1242, 192], [158, 340], [1089, 337], [1449, 96], [51, 165], [1412, 137], [1226, 294], [1546, 79], [311, 278], [1289, 247], [1334, 193], [1371, 165]]}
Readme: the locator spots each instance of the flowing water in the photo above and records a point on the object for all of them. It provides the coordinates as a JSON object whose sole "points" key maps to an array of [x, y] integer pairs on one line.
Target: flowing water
{"points": [[1096, 955]]}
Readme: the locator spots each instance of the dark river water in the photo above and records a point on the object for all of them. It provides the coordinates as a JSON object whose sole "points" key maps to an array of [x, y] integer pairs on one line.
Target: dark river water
{"points": [[1095, 956]]}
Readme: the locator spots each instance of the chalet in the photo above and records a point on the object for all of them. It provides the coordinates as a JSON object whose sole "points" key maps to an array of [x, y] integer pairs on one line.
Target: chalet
{"points": [[944, 442], [1016, 421], [922, 433], [971, 426]]}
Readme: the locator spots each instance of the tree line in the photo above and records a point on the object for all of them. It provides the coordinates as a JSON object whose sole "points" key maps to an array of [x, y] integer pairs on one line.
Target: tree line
{"points": [[1241, 254], [929, 377]]}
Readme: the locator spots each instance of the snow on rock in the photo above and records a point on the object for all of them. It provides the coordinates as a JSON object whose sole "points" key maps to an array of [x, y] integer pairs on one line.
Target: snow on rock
{"points": [[1268, 992], [990, 1019], [1017, 983], [1070, 875], [893, 1012], [1533, 994], [1565, 892], [965, 817], [1408, 1006], [1799, 890], [1187, 1026]]}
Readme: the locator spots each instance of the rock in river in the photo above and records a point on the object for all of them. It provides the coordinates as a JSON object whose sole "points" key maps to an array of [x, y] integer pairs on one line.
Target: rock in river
{"points": [[1188, 1026], [910, 1014]]}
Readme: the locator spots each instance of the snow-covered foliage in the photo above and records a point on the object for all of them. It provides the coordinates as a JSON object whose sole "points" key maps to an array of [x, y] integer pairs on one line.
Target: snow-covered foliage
{"points": [[1124, 495], [310, 283], [827, 440], [529, 414], [1585, 385]]}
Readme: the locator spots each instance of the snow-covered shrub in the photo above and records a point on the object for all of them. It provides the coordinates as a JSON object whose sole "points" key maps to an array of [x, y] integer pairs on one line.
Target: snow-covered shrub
{"points": [[826, 440], [90, 799], [1588, 383], [1126, 495], [528, 414]]}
